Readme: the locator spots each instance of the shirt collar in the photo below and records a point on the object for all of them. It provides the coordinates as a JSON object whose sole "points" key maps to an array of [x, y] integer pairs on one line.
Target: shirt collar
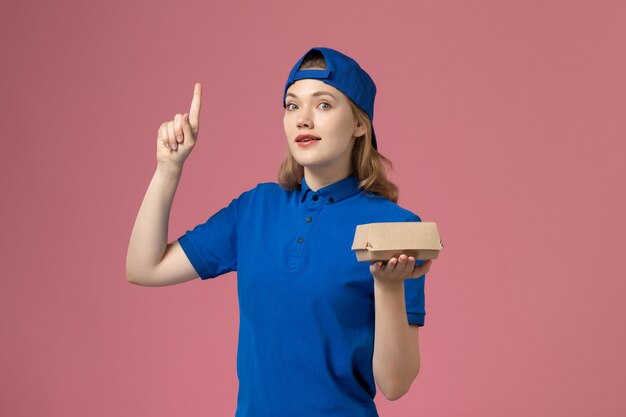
{"points": [[334, 192]]}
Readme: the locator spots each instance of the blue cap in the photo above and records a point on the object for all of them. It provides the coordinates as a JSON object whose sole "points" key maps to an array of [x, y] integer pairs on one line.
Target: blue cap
{"points": [[343, 73]]}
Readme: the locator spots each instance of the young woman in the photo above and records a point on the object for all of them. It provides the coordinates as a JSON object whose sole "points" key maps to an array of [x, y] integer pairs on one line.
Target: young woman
{"points": [[318, 330]]}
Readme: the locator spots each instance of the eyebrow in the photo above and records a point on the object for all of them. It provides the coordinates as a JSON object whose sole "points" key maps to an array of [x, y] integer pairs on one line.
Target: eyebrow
{"points": [[315, 94]]}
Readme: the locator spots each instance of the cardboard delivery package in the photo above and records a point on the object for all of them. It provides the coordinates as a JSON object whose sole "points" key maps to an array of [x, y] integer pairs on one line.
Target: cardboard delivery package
{"points": [[382, 241]]}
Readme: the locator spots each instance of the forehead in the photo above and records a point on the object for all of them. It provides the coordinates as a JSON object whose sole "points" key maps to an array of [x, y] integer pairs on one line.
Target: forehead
{"points": [[307, 86]]}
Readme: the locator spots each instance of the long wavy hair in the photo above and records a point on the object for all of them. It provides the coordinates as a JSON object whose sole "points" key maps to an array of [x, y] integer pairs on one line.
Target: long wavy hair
{"points": [[368, 165]]}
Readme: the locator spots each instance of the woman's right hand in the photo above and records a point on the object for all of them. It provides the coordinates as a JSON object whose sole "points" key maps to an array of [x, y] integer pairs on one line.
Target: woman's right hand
{"points": [[176, 138]]}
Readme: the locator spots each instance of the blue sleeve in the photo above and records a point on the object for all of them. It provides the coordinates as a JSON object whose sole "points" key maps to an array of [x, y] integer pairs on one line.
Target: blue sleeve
{"points": [[414, 291], [212, 246]]}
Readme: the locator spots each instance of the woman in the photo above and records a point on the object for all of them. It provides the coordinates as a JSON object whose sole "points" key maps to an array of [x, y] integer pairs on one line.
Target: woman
{"points": [[309, 312]]}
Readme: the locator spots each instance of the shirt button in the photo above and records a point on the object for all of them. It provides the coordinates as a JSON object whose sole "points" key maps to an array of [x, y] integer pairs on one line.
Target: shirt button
{"points": [[300, 240], [331, 199], [308, 219], [315, 198]]}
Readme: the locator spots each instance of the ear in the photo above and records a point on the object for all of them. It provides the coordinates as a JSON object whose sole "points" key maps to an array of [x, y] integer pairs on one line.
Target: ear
{"points": [[359, 130]]}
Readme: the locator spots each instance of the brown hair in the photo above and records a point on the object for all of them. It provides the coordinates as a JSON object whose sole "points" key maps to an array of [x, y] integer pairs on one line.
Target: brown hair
{"points": [[369, 166]]}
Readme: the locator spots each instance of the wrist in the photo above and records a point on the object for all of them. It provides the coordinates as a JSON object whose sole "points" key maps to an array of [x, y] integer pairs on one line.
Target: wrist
{"points": [[389, 285], [169, 169]]}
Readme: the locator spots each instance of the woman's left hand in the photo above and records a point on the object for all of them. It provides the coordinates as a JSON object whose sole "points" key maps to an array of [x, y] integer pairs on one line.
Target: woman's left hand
{"points": [[398, 269]]}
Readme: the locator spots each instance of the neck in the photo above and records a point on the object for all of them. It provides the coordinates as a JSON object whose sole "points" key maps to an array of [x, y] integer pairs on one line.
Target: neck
{"points": [[316, 178]]}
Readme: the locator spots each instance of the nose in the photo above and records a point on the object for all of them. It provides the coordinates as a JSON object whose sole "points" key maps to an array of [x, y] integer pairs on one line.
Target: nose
{"points": [[304, 119]]}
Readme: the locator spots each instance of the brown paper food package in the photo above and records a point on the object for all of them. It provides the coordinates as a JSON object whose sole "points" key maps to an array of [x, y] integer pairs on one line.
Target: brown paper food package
{"points": [[382, 241]]}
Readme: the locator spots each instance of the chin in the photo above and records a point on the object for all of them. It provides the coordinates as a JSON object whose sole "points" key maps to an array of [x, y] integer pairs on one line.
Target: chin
{"points": [[306, 163]]}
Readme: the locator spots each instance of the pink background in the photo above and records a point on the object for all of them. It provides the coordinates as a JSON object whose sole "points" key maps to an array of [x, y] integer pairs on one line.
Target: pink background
{"points": [[505, 124]]}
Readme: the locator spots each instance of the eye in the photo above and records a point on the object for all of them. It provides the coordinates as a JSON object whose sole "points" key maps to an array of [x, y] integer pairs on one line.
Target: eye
{"points": [[289, 104], [325, 104]]}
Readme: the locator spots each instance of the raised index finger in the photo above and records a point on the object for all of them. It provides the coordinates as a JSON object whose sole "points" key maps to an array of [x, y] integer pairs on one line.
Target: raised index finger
{"points": [[194, 111]]}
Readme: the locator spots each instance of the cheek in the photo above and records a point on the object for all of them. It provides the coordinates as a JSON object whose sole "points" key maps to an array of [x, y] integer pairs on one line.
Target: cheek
{"points": [[346, 122]]}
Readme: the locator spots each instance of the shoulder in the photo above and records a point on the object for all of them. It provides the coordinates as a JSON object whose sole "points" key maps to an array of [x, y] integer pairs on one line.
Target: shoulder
{"points": [[268, 189], [263, 192], [260, 189], [382, 205]]}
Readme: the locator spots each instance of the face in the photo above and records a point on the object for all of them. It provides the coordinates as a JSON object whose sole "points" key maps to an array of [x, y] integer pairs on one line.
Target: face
{"points": [[319, 109]]}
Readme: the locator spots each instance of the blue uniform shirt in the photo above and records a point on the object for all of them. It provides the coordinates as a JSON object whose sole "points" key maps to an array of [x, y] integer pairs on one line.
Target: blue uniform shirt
{"points": [[306, 306]]}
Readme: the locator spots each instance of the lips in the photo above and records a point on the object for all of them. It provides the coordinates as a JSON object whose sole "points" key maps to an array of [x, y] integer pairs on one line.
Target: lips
{"points": [[300, 138]]}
